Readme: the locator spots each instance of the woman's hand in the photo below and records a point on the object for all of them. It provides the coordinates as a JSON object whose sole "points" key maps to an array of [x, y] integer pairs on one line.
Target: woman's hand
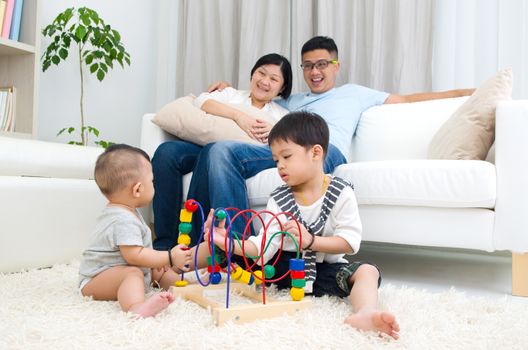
{"points": [[262, 130], [293, 227], [249, 125], [218, 86]]}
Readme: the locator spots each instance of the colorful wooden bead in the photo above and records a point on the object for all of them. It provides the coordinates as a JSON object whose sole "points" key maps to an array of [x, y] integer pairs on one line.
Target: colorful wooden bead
{"points": [[216, 268], [297, 264], [258, 277], [191, 205], [298, 283], [221, 214], [237, 273], [269, 271], [184, 239], [246, 277], [216, 277], [298, 274], [181, 283], [185, 227], [185, 215], [297, 294]]}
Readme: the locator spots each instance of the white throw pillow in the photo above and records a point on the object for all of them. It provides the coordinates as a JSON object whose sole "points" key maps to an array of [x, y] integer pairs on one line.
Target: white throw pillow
{"points": [[187, 122]]}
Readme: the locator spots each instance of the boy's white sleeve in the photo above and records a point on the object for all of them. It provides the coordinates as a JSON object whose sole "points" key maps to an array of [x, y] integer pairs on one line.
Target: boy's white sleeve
{"points": [[346, 218], [273, 227], [224, 96]]}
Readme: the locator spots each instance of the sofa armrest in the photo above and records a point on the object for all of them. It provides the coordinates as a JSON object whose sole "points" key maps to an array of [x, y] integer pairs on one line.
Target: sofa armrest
{"points": [[511, 208], [152, 135]]}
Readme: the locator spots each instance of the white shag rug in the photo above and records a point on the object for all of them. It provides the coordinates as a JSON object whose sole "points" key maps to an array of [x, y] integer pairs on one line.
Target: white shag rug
{"points": [[42, 309]]}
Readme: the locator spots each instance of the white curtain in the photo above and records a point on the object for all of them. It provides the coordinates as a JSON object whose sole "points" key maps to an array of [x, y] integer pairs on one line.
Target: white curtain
{"points": [[384, 45], [475, 38]]}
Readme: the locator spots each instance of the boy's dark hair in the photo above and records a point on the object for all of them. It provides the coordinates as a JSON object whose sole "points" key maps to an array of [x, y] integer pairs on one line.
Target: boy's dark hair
{"points": [[118, 166], [303, 128], [320, 43], [284, 64]]}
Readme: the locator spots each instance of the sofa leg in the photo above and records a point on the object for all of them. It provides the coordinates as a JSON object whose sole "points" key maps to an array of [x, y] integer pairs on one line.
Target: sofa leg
{"points": [[520, 274]]}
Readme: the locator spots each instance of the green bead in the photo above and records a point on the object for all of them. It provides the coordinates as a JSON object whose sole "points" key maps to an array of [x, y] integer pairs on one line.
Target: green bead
{"points": [[185, 227], [221, 214], [209, 260], [298, 283], [269, 271]]}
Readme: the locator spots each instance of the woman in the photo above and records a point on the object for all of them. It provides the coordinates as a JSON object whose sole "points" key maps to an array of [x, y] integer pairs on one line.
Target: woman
{"points": [[271, 76]]}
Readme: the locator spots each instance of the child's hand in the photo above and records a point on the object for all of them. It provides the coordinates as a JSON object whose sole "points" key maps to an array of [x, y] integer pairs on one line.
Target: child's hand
{"points": [[181, 257], [293, 227], [219, 231]]}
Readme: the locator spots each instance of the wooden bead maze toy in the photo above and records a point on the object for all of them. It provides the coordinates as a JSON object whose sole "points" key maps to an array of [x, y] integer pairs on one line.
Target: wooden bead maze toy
{"points": [[247, 280]]}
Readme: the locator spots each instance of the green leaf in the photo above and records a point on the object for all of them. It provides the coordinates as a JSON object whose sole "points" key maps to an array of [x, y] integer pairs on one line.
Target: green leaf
{"points": [[103, 67], [100, 75], [85, 18], [89, 59], [117, 36], [80, 32], [61, 131], [94, 67], [71, 129], [55, 59], [63, 53]]}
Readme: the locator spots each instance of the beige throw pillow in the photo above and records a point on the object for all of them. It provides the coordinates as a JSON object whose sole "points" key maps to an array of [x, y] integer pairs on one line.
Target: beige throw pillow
{"points": [[470, 131], [187, 122]]}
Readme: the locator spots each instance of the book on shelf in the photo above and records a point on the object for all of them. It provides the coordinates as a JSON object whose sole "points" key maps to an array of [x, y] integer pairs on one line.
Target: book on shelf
{"points": [[2, 13], [14, 32], [8, 16], [7, 108]]}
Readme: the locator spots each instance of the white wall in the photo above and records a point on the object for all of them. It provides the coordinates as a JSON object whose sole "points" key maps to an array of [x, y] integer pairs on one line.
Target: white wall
{"points": [[115, 105]]}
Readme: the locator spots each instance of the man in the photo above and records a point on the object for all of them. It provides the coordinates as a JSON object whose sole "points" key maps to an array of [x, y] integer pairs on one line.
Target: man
{"points": [[224, 166]]}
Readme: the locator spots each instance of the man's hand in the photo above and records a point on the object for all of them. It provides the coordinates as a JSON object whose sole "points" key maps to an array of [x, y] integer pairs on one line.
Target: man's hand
{"points": [[218, 86]]}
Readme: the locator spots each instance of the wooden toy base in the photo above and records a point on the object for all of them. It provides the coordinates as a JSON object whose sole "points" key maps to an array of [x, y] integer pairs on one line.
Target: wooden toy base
{"points": [[239, 313]]}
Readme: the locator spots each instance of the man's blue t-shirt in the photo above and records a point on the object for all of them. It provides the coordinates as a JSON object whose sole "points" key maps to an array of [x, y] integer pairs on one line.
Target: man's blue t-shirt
{"points": [[341, 107]]}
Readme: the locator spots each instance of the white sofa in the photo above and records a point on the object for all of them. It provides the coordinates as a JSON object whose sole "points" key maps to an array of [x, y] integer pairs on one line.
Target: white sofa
{"points": [[48, 202], [406, 199]]}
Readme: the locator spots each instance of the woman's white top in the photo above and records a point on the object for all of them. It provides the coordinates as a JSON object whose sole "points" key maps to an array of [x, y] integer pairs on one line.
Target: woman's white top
{"points": [[234, 96]]}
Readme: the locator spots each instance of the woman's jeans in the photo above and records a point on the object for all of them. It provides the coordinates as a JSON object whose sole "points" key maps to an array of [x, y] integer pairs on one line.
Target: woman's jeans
{"points": [[219, 178]]}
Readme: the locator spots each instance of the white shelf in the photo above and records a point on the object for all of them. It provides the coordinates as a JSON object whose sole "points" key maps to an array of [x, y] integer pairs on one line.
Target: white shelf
{"points": [[19, 67]]}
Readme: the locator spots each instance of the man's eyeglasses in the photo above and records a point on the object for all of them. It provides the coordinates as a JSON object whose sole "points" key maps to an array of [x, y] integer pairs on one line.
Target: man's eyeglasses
{"points": [[320, 65]]}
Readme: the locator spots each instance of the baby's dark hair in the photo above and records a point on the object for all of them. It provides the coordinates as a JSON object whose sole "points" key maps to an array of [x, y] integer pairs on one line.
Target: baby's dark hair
{"points": [[118, 166], [303, 128]]}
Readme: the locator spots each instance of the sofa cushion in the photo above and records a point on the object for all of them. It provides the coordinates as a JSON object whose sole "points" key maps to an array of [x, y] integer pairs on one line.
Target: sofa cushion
{"points": [[430, 183], [187, 122], [470, 131], [400, 130], [24, 157]]}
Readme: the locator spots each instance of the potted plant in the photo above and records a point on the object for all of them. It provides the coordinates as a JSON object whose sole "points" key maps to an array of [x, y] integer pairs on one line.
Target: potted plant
{"points": [[99, 48]]}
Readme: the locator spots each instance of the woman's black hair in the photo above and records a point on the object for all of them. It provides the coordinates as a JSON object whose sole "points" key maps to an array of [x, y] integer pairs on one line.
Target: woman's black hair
{"points": [[284, 64]]}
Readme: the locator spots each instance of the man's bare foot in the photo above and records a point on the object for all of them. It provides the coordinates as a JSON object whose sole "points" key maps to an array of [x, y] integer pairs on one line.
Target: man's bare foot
{"points": [[153, 305], [375, 320]]}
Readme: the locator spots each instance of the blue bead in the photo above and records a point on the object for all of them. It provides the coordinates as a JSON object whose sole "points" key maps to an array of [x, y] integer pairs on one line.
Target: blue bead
{"points": [[216, 277], [297, 264]]}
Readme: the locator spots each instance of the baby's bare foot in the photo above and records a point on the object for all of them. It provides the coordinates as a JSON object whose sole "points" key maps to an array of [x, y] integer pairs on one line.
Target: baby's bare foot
{"points": [[153, 305], [375, 320]]}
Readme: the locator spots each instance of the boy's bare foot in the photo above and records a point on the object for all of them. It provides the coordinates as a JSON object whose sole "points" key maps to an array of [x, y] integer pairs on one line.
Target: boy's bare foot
{"points": [[375, 320], [153, 305]]}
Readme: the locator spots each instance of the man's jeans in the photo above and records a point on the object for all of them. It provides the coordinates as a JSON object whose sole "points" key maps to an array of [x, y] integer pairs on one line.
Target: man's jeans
{"points": [[219, 174]]}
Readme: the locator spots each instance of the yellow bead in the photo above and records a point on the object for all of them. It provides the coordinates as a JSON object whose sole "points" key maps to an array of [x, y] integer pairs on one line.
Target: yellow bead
{"points": [[297, 294], [181, 283], [184, 239], [185, 215], [237, 273], [258, 277], [246, 277]]}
